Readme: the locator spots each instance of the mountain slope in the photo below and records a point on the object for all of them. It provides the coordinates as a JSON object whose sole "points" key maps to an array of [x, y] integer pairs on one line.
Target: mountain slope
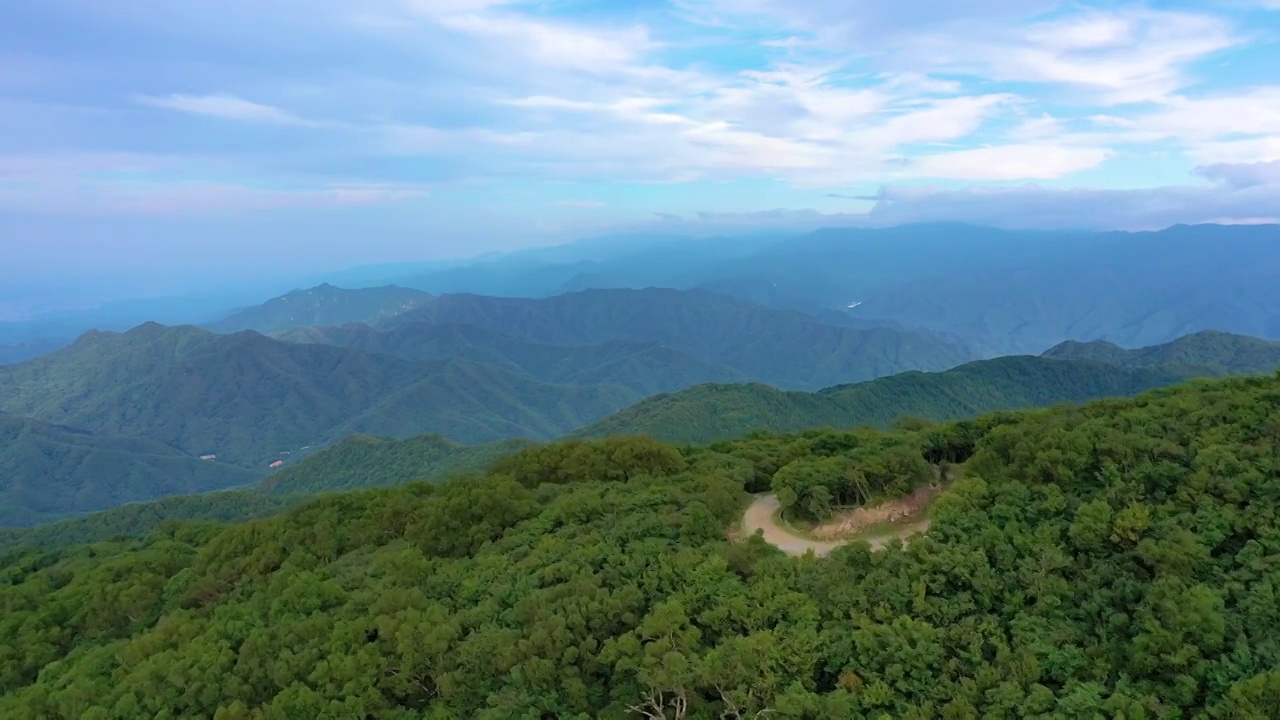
{"points": [[1212, 351], [644, 367], [781, 347], [247, 398], [49, 472], [250, 400], [712, 412], [479, 403], [323, 305], [363, 461], [243, 397]]}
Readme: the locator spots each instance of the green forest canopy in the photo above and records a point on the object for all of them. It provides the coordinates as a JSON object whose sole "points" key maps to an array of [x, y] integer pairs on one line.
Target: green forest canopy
{"points": [[1120, 559]]}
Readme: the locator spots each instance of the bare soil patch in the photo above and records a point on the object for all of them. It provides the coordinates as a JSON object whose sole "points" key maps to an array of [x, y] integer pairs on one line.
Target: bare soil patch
{"points": [[891, 517]]}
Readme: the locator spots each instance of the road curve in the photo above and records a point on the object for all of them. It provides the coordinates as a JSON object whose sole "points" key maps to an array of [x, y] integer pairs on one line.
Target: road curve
{"points": [[763, 516]]}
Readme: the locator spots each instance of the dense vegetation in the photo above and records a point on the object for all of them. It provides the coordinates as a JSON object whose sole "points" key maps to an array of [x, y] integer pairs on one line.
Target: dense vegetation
{"points": [[710, 412], [1208, 352], [1116, 560], [324, 305], [48, 472]]}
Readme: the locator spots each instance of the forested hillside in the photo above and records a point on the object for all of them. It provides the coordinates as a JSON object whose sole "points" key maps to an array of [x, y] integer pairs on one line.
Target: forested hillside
{"points": [[710, 412], [134, 411], [324, 305], [1117, 559], [644, 367], [48, 472], [247, 398], [784, 348], [1209, 352]]}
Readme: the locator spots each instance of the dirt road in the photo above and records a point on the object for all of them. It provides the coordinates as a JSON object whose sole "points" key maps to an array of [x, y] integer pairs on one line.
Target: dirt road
{"points": [[763, 516]]}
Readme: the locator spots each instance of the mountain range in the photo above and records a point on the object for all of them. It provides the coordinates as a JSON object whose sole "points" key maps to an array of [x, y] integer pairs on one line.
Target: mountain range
{"points": [[1069, 372], [687, 365], [699, 414], [998, 291]]}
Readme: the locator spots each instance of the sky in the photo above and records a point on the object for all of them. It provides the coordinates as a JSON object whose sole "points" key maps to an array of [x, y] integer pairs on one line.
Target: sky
{"points": [[242, 136]]}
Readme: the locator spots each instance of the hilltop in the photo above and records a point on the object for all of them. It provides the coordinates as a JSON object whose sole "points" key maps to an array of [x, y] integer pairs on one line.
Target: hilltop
{"points": [[322, 306]]}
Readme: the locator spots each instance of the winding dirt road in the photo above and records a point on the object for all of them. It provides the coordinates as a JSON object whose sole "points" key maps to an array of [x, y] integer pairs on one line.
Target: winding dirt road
{"points": [[763, 516]]}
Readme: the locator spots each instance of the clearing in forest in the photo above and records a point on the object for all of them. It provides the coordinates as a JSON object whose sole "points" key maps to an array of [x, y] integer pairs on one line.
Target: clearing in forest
{"points": [[875, 525]]}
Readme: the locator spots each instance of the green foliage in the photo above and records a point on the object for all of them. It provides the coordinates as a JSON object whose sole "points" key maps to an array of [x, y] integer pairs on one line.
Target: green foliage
{"points": [[1116, 559], [709, 412]]}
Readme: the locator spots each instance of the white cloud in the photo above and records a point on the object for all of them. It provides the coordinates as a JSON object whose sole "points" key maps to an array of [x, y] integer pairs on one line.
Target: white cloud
{"points": [[225, 106], [1011, 162], [1118, 56]]}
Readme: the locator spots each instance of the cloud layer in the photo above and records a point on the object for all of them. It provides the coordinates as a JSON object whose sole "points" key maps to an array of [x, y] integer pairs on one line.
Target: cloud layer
{"points": [[577, 115]]}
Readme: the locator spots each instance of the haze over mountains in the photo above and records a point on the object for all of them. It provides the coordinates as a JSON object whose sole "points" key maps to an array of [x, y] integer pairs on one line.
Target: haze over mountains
{"points": [[994, 291]]}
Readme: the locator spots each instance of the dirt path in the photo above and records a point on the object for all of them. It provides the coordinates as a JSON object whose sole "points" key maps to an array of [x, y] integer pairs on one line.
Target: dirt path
{"points": [[763, 516]]}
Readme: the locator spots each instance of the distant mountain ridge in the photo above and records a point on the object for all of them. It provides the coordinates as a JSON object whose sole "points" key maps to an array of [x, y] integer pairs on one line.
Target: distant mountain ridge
{"points": [[324, 305], [1210, 350], [644, 367], [1001, 291], [711, 412], [785, 348]]}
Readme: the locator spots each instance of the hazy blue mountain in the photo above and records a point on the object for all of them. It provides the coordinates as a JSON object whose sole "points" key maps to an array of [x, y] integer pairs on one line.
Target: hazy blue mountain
{"points": [[322, 305], [1000, 291], [781, 347]]}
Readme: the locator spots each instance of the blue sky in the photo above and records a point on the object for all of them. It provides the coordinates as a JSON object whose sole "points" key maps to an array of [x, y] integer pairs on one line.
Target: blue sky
{"points": [[177, 134]]}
